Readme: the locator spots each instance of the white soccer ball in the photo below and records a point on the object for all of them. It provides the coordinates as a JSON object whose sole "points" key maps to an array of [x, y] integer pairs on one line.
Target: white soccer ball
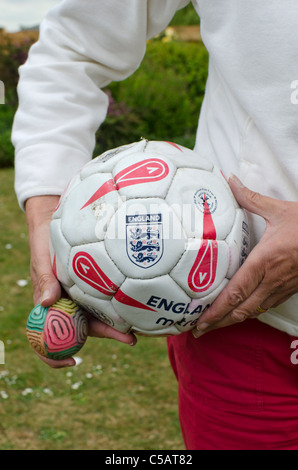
{"points": [[146, 236]]}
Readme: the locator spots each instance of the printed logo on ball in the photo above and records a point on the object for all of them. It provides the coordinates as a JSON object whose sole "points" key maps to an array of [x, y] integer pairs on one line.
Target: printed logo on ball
{"points": [[144, 240], [145, 171], [245, 242], [86, 268], [205, 195], [203, 272]]}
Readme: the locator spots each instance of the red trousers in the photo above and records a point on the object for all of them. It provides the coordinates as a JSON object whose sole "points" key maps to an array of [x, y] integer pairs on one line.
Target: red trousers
{"points": [[238, 388]]}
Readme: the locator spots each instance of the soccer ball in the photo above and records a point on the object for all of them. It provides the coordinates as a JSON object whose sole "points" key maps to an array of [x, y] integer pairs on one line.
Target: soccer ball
{"points": [[146, 236]]}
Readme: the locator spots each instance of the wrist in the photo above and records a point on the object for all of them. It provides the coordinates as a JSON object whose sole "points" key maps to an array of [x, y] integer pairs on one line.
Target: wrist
{"points": [[39, 209]]}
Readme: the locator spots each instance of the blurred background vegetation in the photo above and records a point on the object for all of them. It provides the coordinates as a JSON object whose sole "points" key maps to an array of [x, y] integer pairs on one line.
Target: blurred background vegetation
{"points": [[119, 397], [161, 100]]}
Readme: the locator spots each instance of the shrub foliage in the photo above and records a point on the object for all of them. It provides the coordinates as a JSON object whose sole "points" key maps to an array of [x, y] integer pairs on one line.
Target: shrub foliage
{"points": [[161, 100]]}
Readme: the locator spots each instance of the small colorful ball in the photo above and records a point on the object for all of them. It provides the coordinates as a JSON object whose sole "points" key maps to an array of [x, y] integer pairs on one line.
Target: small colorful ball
{"points": [[59, 331]]}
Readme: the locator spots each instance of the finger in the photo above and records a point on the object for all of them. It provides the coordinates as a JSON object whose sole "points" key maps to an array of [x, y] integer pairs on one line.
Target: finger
{"points": [[274, 300], [256, 304], [50, 291], [47, 285], [54, 364], [47, 289], [238, 315], [256, 203], [253, 307], [226, 321], [98, 329], [239, 289]]}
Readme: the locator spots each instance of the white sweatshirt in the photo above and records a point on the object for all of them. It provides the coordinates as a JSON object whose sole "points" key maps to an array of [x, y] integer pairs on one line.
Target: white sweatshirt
{"points": [[248, 123]]}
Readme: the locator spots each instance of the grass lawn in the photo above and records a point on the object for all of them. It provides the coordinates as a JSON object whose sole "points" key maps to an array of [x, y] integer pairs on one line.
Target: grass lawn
{"points": [[118, 398]]}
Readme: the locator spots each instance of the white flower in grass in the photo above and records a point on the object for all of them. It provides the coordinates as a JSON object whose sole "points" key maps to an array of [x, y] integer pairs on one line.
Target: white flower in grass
{"points": [[27, 391], [76, 385]]}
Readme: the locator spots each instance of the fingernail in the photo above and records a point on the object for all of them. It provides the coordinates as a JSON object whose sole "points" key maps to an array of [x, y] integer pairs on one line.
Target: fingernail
{"points": [[200, 330], [202, 326], [236, 180], [197, 333], [45, 296]]}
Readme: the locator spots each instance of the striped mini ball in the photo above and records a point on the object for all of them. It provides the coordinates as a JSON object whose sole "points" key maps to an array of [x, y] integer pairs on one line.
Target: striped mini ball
{"points": [[59, 331]]}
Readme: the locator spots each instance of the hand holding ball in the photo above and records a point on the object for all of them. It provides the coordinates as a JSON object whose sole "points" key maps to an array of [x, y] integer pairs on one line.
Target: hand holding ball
{"points": [[59, 331], [146, 236]]}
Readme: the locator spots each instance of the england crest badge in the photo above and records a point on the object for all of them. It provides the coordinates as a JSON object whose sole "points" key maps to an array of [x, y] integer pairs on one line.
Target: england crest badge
{"points": [[144, 239]]}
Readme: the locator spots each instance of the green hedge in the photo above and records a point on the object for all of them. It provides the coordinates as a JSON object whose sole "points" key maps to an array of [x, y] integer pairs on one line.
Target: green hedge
{"points": [[6, 148], [11, 57], [186, 16], [161, 100]]}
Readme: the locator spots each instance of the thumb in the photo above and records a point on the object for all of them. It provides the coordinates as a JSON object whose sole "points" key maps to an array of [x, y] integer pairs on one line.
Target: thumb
{"points": [[46, 287], [252, 201], [50, 290]]}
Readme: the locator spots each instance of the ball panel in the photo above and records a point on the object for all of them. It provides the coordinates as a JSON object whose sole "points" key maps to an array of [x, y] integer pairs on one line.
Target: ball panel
{"points": [[65, 329], [202, 267], [143, 175], [193, 193], [145, 238], [102, 310], [36, 340], [238, 242], [93, 202], [59, 330], [37, 318], [75, 181], [179, 155], [60, 252], [151, 305], [199, 305], [92, 270], [105, 162], [63, 354], [34, 328]]}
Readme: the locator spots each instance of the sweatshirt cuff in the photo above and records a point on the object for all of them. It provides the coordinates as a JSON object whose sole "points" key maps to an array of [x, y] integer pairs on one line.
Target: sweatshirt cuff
{"points": [[55, 168]]}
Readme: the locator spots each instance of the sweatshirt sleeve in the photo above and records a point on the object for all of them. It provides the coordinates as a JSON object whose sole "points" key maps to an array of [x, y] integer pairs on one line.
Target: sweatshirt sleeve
{"points": [[82, 47]]}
